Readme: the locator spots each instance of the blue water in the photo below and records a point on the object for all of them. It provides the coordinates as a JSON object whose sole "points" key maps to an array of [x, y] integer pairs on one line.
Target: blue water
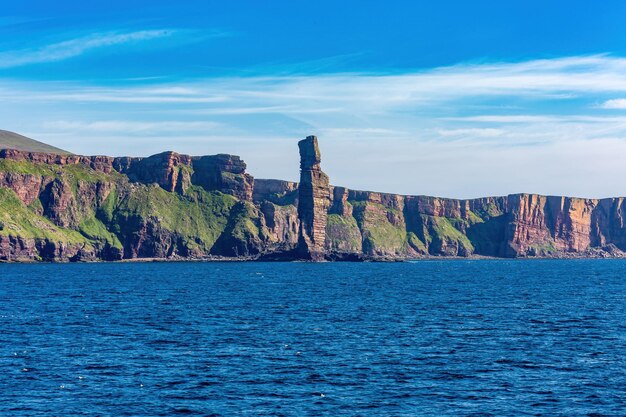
{"points": [[438, 338]]}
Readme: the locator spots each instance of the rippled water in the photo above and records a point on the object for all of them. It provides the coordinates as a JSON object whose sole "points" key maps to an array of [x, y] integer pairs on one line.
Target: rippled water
{"points": [[339, 339]]}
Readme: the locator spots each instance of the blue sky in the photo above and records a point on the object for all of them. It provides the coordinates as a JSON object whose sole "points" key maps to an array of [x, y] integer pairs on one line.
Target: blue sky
{"points": [[449, 98]]}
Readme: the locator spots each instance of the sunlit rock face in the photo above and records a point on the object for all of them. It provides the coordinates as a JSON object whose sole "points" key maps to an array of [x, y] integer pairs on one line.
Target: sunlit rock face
{"points": [[313, 201], [64, 207]]}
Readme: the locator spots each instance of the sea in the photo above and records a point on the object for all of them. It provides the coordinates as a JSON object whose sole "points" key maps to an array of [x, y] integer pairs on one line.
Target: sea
{"points": [[426, 338]]}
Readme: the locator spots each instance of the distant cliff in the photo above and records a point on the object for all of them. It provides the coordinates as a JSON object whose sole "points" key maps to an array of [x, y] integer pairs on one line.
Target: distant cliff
{"points": [[64, 207]]}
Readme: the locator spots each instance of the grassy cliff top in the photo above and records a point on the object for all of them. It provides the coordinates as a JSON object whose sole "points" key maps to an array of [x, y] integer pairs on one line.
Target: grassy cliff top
{"points": [[10, 140]]}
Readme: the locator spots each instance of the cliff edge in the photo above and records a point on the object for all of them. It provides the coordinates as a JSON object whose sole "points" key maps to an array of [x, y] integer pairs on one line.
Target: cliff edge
{"points": [[63, 207]]}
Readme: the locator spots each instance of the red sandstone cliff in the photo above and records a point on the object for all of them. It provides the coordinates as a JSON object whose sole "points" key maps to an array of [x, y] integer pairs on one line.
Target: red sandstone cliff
{"points": [[313, 201], [71, 207]]}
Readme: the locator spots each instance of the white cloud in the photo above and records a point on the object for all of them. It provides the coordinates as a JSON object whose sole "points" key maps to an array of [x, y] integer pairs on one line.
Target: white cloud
{"points": [[558, 79], [75, 47], [465, 130], [360, 131], [132, 127], [348, 101], [511, 118], [472, 132], [617, 103]]}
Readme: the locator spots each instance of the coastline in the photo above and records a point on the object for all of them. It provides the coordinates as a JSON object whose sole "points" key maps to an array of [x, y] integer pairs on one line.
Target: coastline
{"points": [[172, 207], [219, 259]]}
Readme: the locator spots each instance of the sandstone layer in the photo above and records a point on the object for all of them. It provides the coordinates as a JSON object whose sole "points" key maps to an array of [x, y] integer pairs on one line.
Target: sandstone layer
{"points": [[313, 201], [64, 207]]}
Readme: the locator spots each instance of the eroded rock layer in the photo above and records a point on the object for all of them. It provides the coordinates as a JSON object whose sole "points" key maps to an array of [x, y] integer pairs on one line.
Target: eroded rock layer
{"points": [[313, 201], [175, 206]]}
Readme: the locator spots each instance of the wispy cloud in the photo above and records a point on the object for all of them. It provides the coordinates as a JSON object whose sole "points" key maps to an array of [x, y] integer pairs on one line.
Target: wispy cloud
{"points": [[360, 131], [536, 124], [78, 46], [509, 118], [558, 79], [617, 103], [472, 132], [128, 127]]}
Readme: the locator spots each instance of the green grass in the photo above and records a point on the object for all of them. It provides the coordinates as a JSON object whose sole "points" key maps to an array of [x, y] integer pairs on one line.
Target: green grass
{"points": [[78, 177], [343, 234], [198, 218], [242, 235], [106, 209], [416, 243], [84, 173], [36, 206], [490, 210], [379, 235], [442, 229], [185, 169], [25, 167], [283, 199], [359, 205], [26, 222], [541, 249], [18, 220], [243, 228], [78, 172], [473, 218], [94, 229]]}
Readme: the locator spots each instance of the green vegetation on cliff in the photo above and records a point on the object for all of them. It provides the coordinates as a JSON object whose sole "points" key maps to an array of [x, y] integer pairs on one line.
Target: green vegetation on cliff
{"points": [[94, 229], [380, 236], [176, 206], [343, 234], [18, 220], [25, 167], [198, 217], [243, 226], [541, 249], [416, 243], [72, 173], [443, 237], [242, 235], [194, 220]]}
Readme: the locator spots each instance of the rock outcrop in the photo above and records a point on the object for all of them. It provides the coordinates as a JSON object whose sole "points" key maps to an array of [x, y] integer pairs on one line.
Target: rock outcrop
{"points": [[176, 172], [172, 171], [278, 191], [313, 201], [224, 173], [78, 208]]}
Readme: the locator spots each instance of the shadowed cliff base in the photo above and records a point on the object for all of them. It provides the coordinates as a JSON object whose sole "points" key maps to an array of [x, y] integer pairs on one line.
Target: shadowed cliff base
{"points": [[63, 207]]}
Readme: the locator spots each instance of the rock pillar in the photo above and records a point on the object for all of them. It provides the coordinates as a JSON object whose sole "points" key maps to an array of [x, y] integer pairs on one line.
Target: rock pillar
{"points": [[313, 201]]}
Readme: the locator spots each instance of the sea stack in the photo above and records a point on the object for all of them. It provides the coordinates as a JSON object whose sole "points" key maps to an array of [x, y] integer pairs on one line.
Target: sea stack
{"points": [[313, 201]]}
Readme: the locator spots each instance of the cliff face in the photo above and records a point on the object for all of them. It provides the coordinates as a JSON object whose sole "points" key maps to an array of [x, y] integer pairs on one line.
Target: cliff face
{"points": [[519, 225], [165, 206], [175, 172], [71, 208]]}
